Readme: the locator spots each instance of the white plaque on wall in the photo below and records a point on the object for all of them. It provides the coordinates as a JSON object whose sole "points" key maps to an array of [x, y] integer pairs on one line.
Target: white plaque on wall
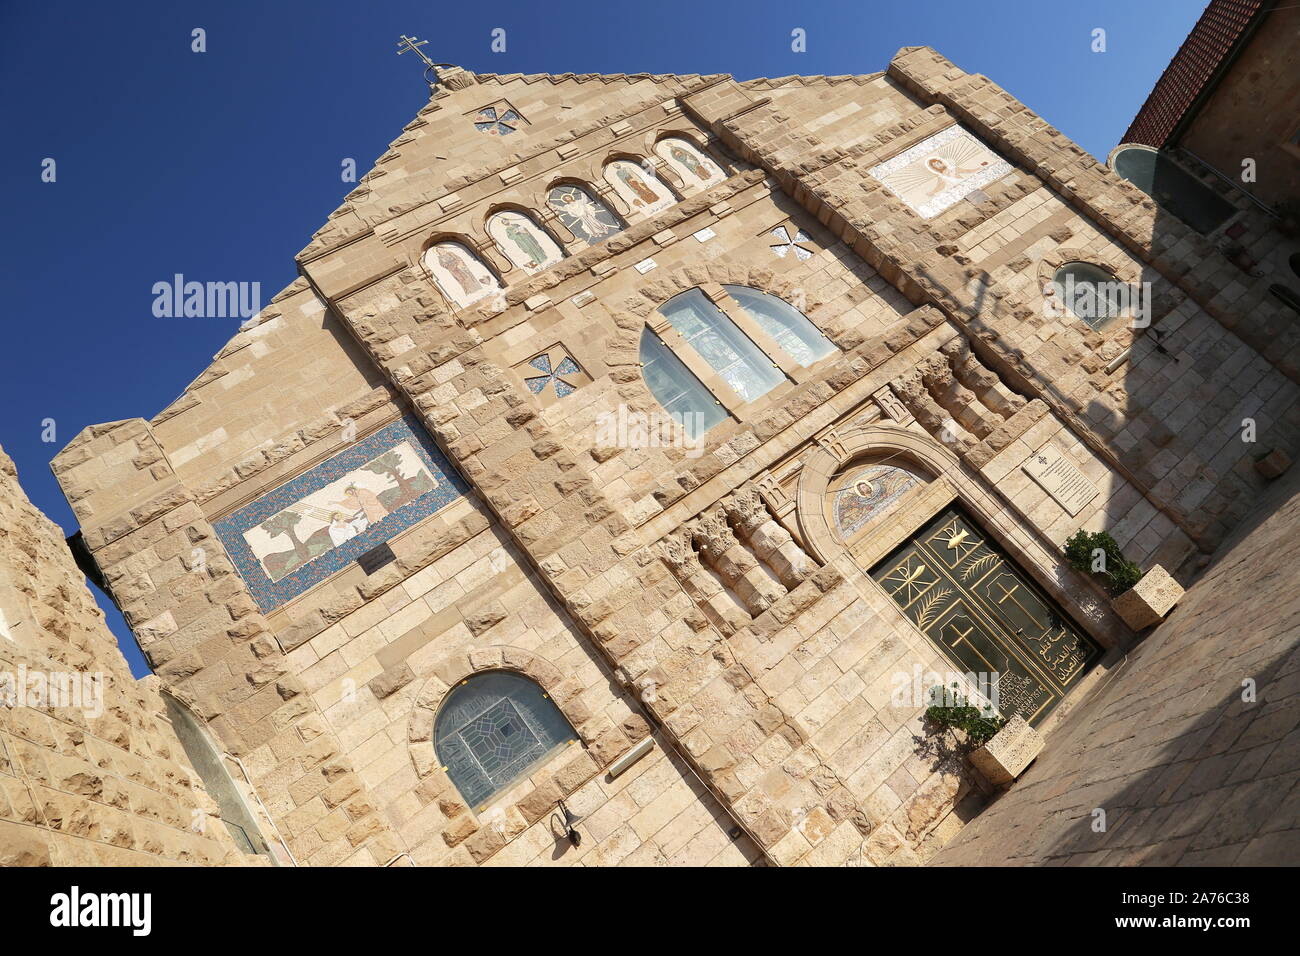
{"points": [[1061, 478]]}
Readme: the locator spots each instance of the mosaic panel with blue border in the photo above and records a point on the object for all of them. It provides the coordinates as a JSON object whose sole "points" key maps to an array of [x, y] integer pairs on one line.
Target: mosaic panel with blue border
{"points": [[307, 529]]}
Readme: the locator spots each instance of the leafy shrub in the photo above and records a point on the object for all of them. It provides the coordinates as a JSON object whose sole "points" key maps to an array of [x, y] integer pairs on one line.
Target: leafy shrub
{"points": [[960, 714], [1118, 573]]}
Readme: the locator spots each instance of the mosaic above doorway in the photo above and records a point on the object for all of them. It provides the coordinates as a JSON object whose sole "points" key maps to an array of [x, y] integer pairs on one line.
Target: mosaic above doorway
{"points": [[869, 493], [940, 171], [294, 537]]}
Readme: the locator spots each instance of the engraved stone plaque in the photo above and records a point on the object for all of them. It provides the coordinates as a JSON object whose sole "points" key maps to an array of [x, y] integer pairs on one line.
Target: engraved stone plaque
{"points": [[1061, 478]]}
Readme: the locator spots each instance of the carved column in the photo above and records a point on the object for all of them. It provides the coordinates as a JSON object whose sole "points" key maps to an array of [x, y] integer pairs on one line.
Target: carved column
{"points": [[981, 380], [773, 544], [736, 564], [701, 586]]}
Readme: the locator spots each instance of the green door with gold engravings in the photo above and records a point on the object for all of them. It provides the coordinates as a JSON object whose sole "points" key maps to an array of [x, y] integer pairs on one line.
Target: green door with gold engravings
{"points": [[967, 594]]}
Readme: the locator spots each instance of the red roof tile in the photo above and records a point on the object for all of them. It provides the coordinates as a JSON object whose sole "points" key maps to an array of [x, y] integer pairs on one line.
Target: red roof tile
{"points": [[1215, 35]]}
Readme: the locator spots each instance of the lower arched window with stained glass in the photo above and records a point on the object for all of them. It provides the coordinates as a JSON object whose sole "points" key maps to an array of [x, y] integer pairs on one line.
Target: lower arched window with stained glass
{"points": [[493, 729]]}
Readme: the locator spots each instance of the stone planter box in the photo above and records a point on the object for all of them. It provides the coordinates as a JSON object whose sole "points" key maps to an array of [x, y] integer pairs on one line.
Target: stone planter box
{"points": [[1148, 601], [1273, 464], [1006, 756]]}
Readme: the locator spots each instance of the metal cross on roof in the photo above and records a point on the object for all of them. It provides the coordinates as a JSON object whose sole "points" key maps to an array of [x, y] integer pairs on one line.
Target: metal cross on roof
{"points": [[413, 44]]}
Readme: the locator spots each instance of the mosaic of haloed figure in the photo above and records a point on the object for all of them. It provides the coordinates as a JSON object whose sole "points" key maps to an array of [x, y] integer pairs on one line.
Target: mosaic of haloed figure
{"points": [[639, 188], [461, 275], [523, 242], [687, 161], [587, 218], [940, 171], [870, 492]]}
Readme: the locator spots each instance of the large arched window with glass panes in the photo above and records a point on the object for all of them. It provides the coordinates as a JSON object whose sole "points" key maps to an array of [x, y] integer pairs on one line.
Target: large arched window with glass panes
{"points": [[790, 328], [706, 353], [1174, 189], [495, 728]]}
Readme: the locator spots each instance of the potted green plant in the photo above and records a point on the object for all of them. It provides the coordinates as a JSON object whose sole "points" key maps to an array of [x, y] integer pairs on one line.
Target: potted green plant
{"points": [[1007, 746], [1140, 599], [951, 708]]}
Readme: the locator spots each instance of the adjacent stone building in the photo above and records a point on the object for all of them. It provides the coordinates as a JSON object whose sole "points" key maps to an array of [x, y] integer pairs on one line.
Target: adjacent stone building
{"points": [[96, 768], [634, 452]]}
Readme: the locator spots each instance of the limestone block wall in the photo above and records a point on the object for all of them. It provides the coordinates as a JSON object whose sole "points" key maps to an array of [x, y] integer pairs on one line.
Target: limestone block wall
{"points": [[1066, 364], [91, 771]]}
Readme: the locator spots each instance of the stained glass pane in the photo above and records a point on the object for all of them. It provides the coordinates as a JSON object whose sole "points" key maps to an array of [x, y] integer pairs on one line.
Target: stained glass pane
{"points": [[542, 363], [681, 394], [718, 341], [1091, 293], [493, 729], [791, 329]]}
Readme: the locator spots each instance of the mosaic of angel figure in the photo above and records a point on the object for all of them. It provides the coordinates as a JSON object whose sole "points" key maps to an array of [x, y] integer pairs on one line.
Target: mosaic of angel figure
{"points": [[524, 242], [640, 189], [587, 218], [689, 163], [461, 275]]}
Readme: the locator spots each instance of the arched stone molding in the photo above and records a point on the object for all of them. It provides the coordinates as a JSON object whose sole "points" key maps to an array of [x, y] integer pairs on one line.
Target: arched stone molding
{"points": [[541, 217], [706, 144], [825, 460], [951, 482], [486, 252], [459, 667]]}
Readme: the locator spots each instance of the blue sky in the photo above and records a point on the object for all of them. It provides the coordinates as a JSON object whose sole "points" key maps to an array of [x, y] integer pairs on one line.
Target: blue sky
{"points": [[220, 165]]}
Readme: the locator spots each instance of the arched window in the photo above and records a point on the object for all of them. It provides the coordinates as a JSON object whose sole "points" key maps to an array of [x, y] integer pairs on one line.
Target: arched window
{"points": [[641, 189], [723, 356], [494, 728], [802, 340], [696, 169], [731, 354], [1172, 187], [680, 393], [1090, 293], [459, 274], [582, 214], [208, 763], [523, 241]]}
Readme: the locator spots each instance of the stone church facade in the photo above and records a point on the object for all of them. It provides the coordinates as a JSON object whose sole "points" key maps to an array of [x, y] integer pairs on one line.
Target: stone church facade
{"points": [[427, 550]]}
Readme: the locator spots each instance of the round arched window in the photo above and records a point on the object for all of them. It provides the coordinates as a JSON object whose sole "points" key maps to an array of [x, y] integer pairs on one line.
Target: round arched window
{"points": [[493, 729], [791, 329], [1092, 294], [1173, 188], [676, 388]]}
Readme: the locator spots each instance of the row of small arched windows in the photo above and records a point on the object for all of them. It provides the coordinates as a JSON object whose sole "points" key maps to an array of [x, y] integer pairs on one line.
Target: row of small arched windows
{"points": [[464, 278]]}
